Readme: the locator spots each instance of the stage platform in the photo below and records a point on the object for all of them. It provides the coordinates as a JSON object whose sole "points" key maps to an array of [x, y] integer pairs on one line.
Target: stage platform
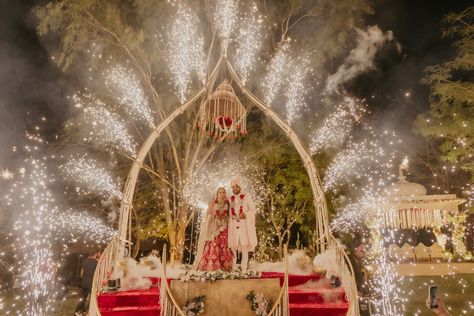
{"points": [[309, 295]]}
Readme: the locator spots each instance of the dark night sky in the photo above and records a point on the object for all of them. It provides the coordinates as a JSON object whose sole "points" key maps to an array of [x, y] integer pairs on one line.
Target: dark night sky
{"points": [[32, 86]]}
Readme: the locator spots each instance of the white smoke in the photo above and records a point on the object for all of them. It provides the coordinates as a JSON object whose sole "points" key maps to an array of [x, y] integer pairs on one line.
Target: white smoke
{"points": [[361, 58]]}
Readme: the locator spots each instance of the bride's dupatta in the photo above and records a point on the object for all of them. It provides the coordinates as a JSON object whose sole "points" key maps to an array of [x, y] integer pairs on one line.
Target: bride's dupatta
{"points": [[203, 233]]}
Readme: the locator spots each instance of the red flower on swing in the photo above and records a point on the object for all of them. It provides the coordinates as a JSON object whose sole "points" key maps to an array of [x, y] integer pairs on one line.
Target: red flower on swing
{"points": [[224, 121]]}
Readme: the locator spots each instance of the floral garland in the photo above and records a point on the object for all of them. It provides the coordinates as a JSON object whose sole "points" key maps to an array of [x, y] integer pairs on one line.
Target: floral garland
{"points": [[218, 275], [194, 306], [259, 304], [241, 209]]}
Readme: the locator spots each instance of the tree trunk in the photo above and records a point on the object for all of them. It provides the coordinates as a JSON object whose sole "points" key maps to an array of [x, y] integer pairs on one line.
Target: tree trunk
{"points": [[178, 235], [280, 247]]}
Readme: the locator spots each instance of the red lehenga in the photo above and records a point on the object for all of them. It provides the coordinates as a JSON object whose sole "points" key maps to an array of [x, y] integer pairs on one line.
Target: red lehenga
{"points": [[216, 254]]}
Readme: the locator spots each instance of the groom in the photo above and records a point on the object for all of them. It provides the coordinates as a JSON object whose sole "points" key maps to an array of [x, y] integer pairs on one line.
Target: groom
{"points": [[242, 234]]}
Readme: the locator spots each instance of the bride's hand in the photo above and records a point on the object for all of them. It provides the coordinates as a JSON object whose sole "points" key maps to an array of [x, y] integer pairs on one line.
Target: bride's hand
{"points": [[242, 216]]}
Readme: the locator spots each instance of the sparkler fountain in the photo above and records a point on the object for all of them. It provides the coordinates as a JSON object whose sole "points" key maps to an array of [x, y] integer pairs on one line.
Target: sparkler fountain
{"points": [[39, 228]]}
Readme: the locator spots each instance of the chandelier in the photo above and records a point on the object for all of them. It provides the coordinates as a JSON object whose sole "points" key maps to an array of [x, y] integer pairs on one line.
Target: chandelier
{"points": [[222, 115]]}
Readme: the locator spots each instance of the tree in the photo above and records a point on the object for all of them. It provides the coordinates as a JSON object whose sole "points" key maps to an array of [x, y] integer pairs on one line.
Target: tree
{"points": [[452, 95], [132, 33], [286, 201]]}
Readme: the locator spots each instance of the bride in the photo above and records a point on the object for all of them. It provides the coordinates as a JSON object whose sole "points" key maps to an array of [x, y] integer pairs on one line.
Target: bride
{"points": [[213, 252]]}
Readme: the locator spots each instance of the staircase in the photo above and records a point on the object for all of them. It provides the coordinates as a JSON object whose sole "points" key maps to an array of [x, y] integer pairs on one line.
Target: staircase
{"points": [[309, 295], [131, 303]]}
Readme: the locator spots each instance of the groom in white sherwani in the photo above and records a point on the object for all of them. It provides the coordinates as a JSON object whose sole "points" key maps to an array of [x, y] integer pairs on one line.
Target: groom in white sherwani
{"points": [[242, 233]]}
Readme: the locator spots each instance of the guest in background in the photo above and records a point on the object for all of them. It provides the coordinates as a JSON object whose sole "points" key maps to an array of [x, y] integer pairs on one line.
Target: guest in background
{"points": [[87, 276], [440, 310]]}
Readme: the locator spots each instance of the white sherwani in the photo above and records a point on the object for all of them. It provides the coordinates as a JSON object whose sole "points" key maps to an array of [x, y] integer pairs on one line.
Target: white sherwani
{"points": [[242, 233]]}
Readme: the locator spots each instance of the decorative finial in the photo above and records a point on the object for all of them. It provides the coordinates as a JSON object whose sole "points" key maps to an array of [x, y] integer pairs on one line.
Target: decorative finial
{"points": [[403, 166]]}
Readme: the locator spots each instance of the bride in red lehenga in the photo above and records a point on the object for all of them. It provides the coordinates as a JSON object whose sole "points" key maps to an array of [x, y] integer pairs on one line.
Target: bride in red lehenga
{"points": [[213, 251]]}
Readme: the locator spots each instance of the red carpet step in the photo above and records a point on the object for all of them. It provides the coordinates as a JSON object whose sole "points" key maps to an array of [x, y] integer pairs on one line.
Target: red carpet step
{"points": [[320, 295], [131, 311], [149, 297], [293, 279], [310, 295], [328, 309]]}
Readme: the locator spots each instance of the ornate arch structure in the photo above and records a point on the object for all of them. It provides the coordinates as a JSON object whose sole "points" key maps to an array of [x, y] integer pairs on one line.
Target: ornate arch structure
{"points": [[322, 221], [325, 240]]}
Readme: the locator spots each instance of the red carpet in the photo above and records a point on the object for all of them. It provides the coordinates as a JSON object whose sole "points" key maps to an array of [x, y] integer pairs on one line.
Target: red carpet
{"points": [[315, 298]]}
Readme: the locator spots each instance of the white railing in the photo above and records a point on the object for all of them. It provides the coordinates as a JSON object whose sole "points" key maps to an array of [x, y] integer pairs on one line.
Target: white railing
{"points": [[346, 274], [169, 306], [282, 307], [102, 273]]}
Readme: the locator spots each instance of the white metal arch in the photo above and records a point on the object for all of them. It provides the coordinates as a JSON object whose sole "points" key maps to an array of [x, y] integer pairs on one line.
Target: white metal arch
{"points": [[322, 222], [325, 240]]}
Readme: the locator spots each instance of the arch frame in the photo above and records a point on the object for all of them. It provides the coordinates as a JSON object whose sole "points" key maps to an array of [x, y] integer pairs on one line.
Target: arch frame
{"points": [[319, 201]]}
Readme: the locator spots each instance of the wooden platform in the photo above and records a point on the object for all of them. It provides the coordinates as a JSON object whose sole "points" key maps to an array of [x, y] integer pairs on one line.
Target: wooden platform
{"points": [[225, 297]]}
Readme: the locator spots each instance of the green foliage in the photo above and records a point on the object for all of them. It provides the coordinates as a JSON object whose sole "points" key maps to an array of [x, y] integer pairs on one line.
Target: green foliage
{"points": [[150, 220], [288, 201], [452, 92], [82, 23]]}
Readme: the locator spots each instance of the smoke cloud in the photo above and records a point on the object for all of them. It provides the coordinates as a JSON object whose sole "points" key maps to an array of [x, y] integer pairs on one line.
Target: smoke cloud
{"points": [[361, 58]]}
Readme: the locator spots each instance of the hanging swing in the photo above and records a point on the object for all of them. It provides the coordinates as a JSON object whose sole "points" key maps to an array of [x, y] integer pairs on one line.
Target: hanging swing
{"points": [[223, 115]]}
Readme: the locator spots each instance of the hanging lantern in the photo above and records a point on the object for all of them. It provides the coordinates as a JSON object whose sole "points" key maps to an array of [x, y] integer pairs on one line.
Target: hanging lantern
{"points": [[223, 115]]}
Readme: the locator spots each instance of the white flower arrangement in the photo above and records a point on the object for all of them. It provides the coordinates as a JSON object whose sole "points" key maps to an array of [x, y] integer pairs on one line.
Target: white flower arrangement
{"points": [[194, 306], [218, 275], [259, 304]]}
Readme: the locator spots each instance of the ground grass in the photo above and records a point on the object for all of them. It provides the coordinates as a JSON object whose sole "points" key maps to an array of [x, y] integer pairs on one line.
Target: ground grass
{"points": [[457, 292]]}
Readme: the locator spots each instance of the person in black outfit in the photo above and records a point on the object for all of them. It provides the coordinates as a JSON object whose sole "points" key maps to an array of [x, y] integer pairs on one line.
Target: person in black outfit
{"points": [[87, 276]]}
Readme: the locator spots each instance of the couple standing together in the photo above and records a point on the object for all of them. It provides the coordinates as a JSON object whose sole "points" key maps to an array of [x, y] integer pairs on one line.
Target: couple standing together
{"points": [[228, 227]]}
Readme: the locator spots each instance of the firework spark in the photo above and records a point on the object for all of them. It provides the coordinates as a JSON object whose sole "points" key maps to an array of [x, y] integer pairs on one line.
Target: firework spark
{"points": [[336, 127], [203, 184], [39, 225], [276, 73], [129, 94], [296, 92], [81, 225], [369, 165], [33, 240], [249, 44], [107, 128], [225, 19], [88, 173], [363, 160], [6, 174], [185, 50]]}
